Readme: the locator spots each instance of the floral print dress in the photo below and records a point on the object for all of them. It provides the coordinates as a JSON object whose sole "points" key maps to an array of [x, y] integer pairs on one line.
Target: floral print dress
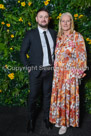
{"points": [[69, 65]]}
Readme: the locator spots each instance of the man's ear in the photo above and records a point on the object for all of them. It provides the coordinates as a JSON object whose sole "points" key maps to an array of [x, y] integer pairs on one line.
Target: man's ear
{"points": [[49, 20], [36, 19]]}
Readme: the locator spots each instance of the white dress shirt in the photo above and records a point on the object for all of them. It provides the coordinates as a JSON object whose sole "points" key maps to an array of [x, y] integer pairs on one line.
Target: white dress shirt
{"points": [[44, 46]]}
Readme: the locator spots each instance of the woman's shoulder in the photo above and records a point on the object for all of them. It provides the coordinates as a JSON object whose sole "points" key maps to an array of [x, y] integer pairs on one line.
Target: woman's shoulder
{"points": [[78, 34], [58, 41], [59, 38]]}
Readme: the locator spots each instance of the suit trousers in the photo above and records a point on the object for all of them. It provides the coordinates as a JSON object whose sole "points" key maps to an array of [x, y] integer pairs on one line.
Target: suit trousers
{"points": [[42, 82]]}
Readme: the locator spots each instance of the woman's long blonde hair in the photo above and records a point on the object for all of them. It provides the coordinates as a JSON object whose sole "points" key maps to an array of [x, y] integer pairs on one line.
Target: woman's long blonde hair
{"points": [[60, 32]]}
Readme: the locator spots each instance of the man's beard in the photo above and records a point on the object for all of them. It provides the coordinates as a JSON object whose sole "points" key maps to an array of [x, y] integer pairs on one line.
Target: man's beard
{"points": [[43, 26]]}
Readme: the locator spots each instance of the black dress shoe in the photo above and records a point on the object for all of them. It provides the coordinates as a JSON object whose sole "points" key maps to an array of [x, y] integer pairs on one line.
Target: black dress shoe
{"points": [[48, 124], [30, 126]]}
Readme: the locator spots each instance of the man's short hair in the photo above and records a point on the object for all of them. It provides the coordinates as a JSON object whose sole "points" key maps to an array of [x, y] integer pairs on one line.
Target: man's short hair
{"points": [[42, 9]]}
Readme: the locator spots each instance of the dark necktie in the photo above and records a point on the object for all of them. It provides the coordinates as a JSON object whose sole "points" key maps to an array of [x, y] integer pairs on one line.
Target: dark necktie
{"points": [[48, 48]]}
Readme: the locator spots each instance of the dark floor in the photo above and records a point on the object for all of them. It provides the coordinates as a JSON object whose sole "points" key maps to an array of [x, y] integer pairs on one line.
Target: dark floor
{"points": [[13, 122]]}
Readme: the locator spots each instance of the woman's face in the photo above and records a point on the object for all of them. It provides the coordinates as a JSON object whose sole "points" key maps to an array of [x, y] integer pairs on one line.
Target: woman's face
{"points": [[66, 23]]}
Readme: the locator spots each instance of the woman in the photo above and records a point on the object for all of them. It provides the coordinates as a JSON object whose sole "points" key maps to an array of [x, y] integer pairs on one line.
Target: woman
{"points": [[69, 66]]}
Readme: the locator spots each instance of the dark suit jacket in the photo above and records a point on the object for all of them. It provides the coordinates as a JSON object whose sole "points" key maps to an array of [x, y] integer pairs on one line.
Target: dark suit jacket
{"points": [[32, 43]]}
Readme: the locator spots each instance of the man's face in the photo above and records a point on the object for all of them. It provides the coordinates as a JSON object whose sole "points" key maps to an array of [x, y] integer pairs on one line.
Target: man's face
{"points": [[42, 19]]}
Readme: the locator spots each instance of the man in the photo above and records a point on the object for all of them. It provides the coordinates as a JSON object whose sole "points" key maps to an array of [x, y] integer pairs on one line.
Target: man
{"points": [[40, 43]]}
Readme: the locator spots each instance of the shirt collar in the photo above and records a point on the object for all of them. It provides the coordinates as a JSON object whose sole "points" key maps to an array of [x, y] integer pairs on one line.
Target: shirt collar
{"points": [[41, 30]]}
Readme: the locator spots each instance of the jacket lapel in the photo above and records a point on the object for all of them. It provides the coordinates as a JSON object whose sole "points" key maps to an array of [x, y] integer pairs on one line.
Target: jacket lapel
{"points": [[53, 38], [37, 38]]}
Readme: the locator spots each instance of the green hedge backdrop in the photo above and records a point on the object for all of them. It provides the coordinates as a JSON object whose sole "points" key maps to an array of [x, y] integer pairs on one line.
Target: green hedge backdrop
{"points": [[18, 16]]}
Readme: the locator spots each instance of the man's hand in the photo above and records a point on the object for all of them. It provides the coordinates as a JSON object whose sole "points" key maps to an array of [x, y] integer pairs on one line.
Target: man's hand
{"points": [[83, 75], [29, 70]]}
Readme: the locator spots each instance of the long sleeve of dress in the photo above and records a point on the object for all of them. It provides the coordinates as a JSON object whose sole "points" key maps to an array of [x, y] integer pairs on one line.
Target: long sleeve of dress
{"points": [[81, 55]]}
